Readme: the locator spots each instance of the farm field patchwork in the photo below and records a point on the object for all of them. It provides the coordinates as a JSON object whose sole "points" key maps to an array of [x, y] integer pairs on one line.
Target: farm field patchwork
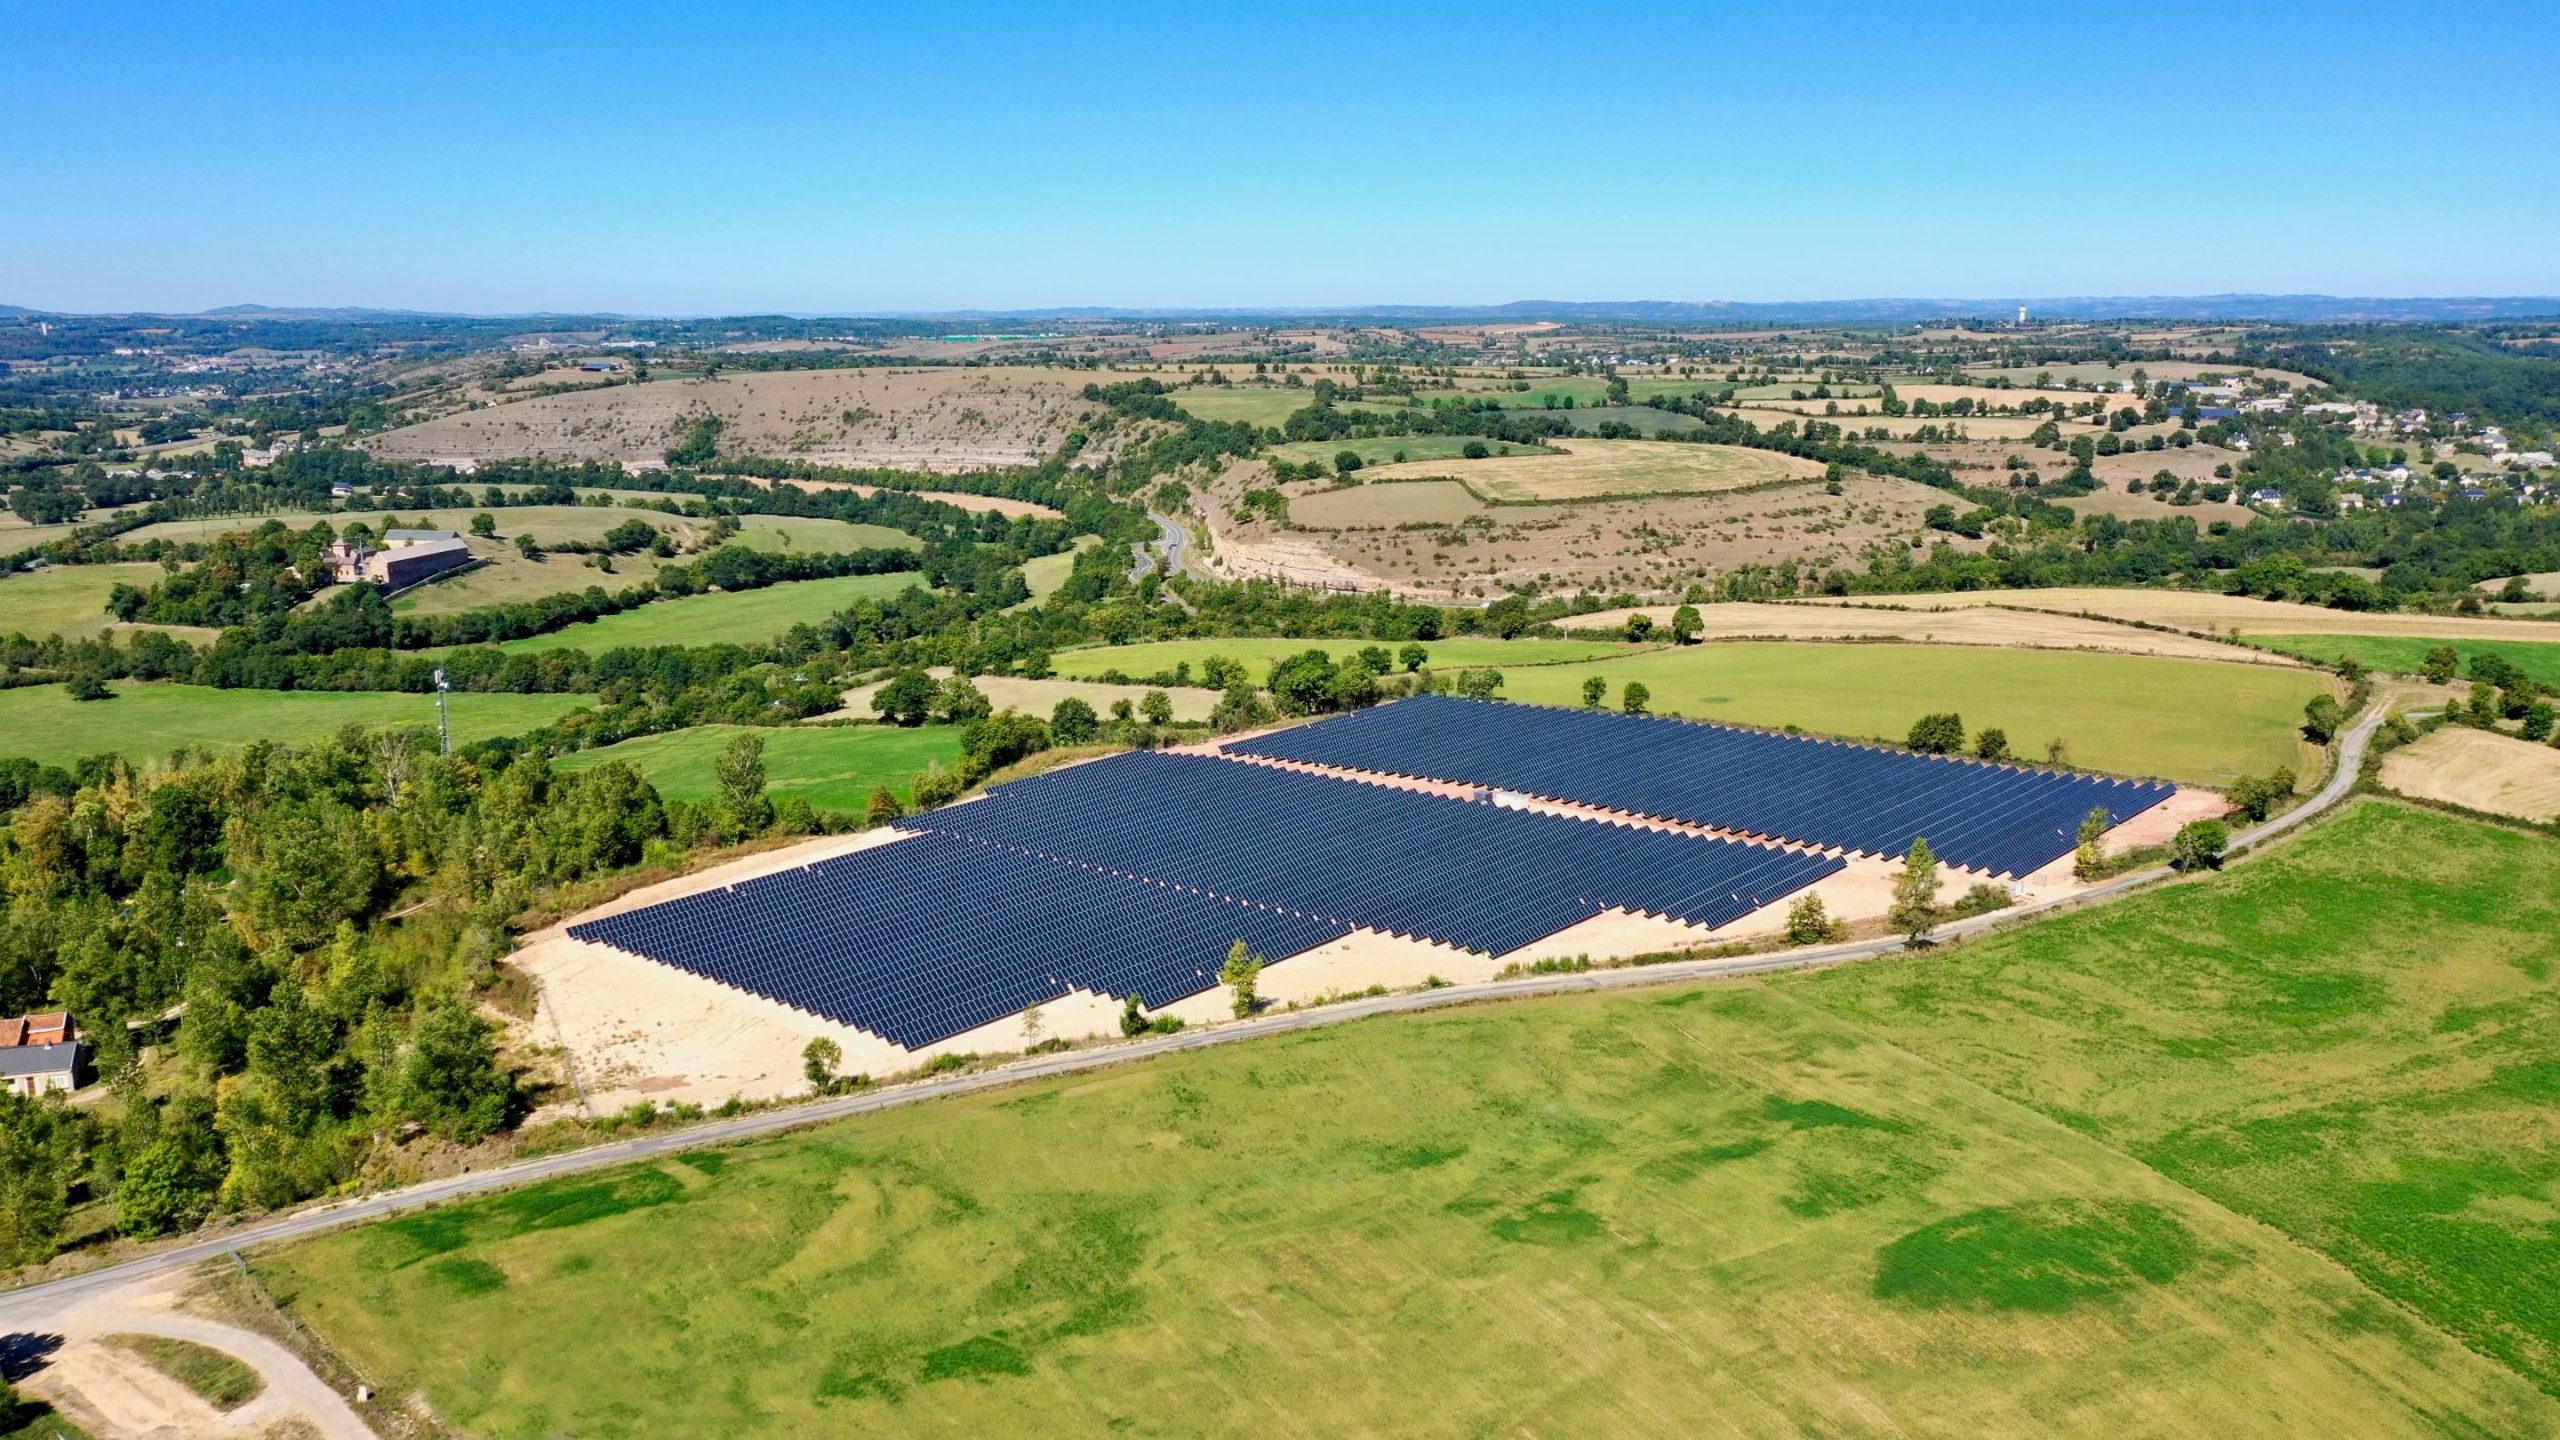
{"points": [[1156, 657], [1593, 469], [1709, 1209], [2196, 721], [2405, 654], [2349, 1039], [745, 617], [149, 720], [2475, 769], [836, 767]]}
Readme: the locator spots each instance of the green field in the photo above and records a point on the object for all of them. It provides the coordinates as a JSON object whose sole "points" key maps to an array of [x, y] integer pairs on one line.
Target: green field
{"points": [[836, 767], [2404, 654], [66, 600], [1696, 1211], [2352, 1040], [1251, 404], [17, 535], [1155, 657], [1046, 574], [504, 577], [1647, 420], [747, 617], [148, 721], [2198, 721], [1384, 449]]}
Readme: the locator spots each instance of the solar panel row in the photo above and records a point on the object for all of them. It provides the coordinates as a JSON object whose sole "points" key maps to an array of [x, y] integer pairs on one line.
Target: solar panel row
{"points": [[2001, 819], [920, 940], [1392, 859]]}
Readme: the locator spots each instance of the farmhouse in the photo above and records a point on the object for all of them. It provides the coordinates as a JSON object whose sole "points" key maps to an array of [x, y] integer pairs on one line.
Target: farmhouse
{"points": [[405, 558], [39, 1054]]}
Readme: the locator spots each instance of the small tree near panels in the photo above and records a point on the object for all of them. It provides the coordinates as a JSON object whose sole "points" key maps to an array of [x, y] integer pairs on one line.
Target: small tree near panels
{"points": [[1809, 923], [2091, 856], [818, 1060], [1635, 698], [1938, 734], [1243, 974], [2200, 845], [1915, 894], [1594, 691]]}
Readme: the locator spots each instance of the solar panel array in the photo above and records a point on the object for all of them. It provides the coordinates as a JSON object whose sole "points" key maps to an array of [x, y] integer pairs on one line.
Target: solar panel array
{"points": [[934, 935], [1397, 860], [2002, 819]]}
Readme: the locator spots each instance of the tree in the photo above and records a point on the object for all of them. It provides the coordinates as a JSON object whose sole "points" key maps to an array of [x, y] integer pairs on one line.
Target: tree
{"points": [[1941, 733], [1157, 707], [1033, 1022], [39, 1155], [1808, 923], [1686, 626], [1073, 722], [2090, 856], [907, 699], [1133, 1016], [2321, 718], [2199, 845], [1241, 708], [1353, 687], [1915, 894], [2538, 721], [739, 774], [884, 807], [1243, 974], [1634, 697], [957, 702], [1346, 461], [2253, 797], [1474, 450], [1413, 657], [2441, 664], [1594, 691], [1991, 743], [451, 1081], [526, 547], [1303, 683], [87, 685], [1639, 628], [818, 1060], [1479, 684], [485, 525], [161, 1191]]}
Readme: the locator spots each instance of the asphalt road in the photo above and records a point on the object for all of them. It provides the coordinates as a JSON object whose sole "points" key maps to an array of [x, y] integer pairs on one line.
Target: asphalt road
{"points": [[1169, 542], [20, 1308]]}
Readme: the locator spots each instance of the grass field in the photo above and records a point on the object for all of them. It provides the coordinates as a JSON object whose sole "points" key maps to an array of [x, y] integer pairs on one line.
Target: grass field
{"points": [[147, 721], [1382, 450], [836, 767], [1698, 1211], [219, 1380], [1155, 657], [1587, 469], [2198, 721], [1247, 403], [17, 535], [504, 577], [746, 617], [2475, 769], [2351, 1040], [66, 600], [2404, 654], [1046, 574], [2222, 614], [1403, 502]]}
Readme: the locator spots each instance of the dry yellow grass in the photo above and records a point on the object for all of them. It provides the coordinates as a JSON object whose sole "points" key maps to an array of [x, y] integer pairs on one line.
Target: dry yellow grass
{"points": [[2479, 771], [2007, 629], [2191, 610], [1595, 469], [1412, 502]]}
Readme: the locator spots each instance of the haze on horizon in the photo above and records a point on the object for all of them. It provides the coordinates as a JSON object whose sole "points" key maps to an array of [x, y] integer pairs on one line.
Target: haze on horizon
{"points": [[864, 160]]}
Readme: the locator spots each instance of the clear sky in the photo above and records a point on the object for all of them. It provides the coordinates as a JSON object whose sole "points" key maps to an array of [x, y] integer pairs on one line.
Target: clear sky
{"points": [[855, 158]]}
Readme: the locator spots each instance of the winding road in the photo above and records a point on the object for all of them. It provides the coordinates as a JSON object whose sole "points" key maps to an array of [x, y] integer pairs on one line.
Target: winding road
{"points": [[46, 1305], [1168, 544]]}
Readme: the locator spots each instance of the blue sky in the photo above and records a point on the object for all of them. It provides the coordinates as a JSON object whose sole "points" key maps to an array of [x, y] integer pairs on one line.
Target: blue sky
{"points": [[850, 158]]}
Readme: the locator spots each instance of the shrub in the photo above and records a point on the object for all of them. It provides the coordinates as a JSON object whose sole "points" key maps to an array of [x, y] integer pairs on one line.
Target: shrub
{"points": [[1981, 900], [1938, 734], [1809, 923], [1073, 722], [1992, 743], [2321, 718], [2199, 845], [1635, 697]]}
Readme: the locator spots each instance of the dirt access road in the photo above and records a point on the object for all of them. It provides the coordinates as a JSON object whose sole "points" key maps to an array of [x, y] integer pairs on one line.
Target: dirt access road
{"points": [[106, 1386], [41, 1307]]}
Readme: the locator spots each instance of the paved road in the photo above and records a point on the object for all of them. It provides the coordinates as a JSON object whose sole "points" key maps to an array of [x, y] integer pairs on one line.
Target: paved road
{"points": [[1169, 542], [21, 1307]]}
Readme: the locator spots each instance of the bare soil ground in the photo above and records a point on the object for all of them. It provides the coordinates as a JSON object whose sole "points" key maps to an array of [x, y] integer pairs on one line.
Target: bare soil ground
{"points": [[931, 419], [1431, 541], [2003, 628], [112, 1393], [2479, 771], [2193, 610]]}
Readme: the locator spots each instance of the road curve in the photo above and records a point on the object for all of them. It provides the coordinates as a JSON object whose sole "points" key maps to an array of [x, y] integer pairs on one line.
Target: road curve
{"points": [[1169, 542], [33, 1303]]}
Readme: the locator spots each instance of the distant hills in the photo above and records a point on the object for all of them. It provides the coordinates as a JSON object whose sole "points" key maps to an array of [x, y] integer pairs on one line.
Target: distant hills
{"points": [[1886, 311]]}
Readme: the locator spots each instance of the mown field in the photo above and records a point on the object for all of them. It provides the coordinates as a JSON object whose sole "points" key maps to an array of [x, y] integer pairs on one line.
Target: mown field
{"points": [[1586, 469], [44, 723], [836, 767], [746, 617], [1383, 450], [66, 600], [2353, 1041], [2405, 654], [2197, 721], [1698, 1210], [1155, 657], [2478, 770]]}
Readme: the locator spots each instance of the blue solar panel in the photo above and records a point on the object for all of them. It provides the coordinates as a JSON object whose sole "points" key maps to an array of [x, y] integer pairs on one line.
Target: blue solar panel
{"points": [[1392, 859], [2002, 819], [931, 936]]}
